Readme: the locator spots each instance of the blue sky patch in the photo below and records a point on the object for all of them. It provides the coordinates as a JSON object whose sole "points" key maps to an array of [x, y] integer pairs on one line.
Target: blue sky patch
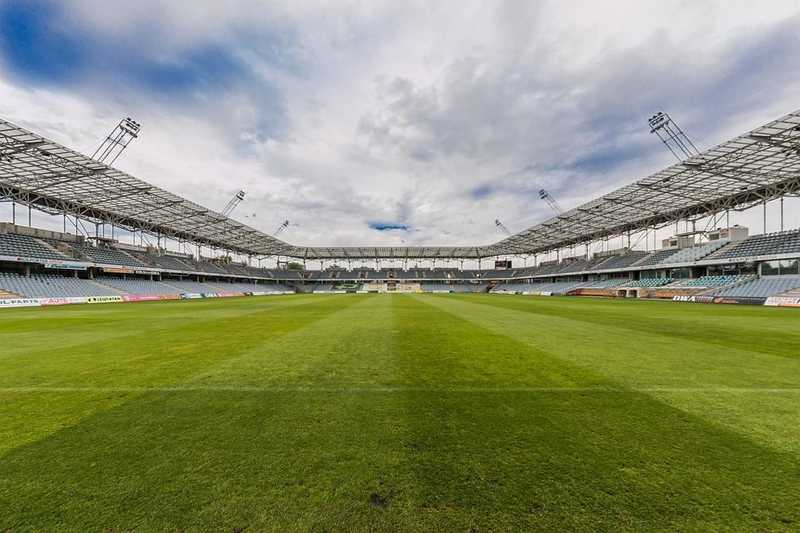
{"points": [[388, 226], [34, 47]]}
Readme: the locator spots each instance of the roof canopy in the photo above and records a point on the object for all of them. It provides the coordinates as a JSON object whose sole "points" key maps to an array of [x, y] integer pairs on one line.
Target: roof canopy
{"points": [[759, 165]]}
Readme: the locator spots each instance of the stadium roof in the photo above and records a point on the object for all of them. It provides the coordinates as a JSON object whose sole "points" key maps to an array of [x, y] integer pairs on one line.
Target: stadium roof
{"points": [[759, 165]]}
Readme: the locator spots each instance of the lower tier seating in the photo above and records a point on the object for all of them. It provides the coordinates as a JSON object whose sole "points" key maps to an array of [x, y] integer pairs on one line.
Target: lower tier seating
{"points": [[761, 288], [52, 286]]}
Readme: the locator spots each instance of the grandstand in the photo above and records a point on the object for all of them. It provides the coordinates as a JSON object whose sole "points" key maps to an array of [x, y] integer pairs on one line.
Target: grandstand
{"points": [[52, 286], [148, 273], [749, 169]]}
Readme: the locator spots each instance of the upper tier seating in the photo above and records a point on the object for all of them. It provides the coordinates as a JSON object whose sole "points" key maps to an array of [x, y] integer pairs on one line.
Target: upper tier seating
{"points": [[694, 253], [787, 242], [497, 274], [236, 269], [551, 268], [107, 256], [581, 265], [656, 257], [761, 288], [52, 286], [15, 245], [163, 261], [620, 261], [203, 266], [287, 275]]}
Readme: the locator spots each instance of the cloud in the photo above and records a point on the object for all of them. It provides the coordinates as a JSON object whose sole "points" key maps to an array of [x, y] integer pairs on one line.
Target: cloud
{"points": [[437, 116]]}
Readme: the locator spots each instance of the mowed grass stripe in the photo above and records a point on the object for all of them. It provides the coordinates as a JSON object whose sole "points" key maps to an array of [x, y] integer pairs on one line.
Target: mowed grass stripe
{"points": [[771, 331], [582, 461], [349, 348], [629, 358], [162, 351], [114, 371], [289, 462], [441, 349], [205, 461], [683, 374], [32, 331]]}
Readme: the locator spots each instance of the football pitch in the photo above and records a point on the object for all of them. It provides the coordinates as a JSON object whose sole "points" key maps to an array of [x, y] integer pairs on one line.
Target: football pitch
{"points": [[400, 413]]}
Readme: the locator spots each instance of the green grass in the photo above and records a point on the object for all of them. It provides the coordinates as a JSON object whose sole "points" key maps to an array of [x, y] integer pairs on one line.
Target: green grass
{"points": [[400, 413]]}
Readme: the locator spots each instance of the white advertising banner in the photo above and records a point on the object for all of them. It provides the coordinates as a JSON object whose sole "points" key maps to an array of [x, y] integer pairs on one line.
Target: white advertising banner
{"points": [[19, 302], [782, 301], [63, 301]]}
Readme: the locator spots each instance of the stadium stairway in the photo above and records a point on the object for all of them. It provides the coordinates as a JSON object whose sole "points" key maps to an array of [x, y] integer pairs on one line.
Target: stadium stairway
{"points": [[740, 281], [6, 294], [107, 287], [50, 247], [719, 252], [762, 287], [791, 293]]}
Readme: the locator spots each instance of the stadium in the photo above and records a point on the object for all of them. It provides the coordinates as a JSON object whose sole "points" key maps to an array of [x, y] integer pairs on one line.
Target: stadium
{"points": [[628, 362], [710, 263]]}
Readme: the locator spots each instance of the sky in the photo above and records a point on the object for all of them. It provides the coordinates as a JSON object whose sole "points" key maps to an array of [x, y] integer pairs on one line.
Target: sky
{"points": [[397, 123]]}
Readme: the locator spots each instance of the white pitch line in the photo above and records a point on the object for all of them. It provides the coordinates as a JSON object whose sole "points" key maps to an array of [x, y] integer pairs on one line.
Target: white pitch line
{"points": [[301, 389]]}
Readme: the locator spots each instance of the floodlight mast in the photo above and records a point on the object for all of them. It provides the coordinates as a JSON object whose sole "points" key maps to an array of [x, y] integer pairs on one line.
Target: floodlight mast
{"points": [[502, 227], [672, 136], [547, 197], [117, 141], [285, 224], [236, 200]]}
